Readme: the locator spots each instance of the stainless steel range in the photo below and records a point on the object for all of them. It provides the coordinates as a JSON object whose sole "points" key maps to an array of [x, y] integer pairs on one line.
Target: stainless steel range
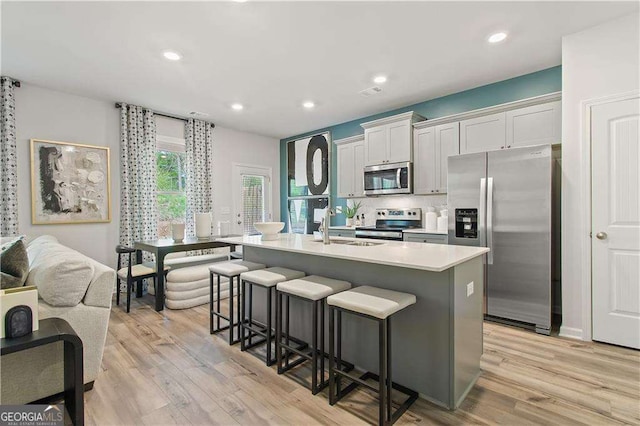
{"points": [[390, 223]]}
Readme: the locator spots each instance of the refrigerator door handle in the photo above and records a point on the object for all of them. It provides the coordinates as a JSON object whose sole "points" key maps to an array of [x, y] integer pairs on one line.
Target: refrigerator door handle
{"points": [[481, 213], [490, 220]]}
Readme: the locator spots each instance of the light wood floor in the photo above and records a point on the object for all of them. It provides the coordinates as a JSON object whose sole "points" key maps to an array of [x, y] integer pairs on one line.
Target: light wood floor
{"points": [[164, 368]]}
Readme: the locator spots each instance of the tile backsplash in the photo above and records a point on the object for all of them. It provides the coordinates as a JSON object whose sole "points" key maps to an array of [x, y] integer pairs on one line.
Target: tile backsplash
{"points": [[370, 204]]}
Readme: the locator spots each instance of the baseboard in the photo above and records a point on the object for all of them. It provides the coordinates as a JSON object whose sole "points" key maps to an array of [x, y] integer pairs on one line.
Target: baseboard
{"points": [[570, 332]]}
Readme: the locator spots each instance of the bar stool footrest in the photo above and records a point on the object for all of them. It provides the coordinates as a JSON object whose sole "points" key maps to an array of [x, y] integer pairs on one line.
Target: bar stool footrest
{"points": [[412, 395]]}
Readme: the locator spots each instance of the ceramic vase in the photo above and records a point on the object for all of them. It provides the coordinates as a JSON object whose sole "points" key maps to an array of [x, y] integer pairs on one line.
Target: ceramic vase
{"points": [[177, 232], [203, 225]]}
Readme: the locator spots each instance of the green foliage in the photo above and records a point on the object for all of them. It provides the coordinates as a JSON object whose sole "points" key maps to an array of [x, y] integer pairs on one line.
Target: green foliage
{"points": [[351, 211], [171, 184]]}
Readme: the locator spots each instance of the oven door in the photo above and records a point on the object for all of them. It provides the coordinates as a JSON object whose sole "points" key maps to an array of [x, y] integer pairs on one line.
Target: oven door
{"points": [[388, 179]]}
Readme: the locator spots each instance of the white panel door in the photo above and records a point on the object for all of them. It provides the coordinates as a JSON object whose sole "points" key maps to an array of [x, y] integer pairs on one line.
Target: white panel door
{"points": [[358, 169], [345, 171], [399, 143], [534, 125], [375, 145], [616, 222], [447, 144], [482, 134], [424, 164]]}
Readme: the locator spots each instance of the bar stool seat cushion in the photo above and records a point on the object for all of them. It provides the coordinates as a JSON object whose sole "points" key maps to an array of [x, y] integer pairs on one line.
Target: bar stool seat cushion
{"points": [[235, 267], [376, 302], [139, 270], [313, 287], [271, 276]]}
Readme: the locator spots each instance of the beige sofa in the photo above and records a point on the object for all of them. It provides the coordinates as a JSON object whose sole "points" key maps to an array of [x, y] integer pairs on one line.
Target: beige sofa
{"points": [[71, 286]]}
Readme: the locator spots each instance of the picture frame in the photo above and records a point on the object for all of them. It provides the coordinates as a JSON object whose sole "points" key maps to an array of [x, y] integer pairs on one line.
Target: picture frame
{"points": [[70, 183]]}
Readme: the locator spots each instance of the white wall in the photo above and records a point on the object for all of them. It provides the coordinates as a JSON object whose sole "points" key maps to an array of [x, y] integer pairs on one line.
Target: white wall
{"points": [[232, 146], [47, 114], [597, 62]]}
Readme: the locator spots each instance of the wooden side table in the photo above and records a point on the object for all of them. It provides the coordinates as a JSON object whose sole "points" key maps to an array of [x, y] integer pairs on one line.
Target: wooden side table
{"points": [[54, 330]]}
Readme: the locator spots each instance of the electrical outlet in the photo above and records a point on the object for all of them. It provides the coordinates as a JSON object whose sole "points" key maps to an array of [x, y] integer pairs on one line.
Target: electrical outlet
{"points": [[470, 289], [338, 209]]}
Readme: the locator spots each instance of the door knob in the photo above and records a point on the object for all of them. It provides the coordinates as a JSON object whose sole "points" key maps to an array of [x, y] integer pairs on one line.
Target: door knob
{"points": [[601, 235]]}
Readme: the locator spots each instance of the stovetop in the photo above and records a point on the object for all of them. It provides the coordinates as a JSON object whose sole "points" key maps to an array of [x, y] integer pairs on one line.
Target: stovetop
{"points": [[395, 220]]}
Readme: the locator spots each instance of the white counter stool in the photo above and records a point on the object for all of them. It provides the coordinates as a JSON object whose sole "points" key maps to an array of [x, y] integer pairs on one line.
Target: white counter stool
{"points": [[377, 304], [231, 270], [314, 289], [267, 279]]}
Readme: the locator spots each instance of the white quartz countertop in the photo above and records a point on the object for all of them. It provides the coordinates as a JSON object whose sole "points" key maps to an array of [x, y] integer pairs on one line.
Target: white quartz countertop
{"points": [[423, 231], [429, 257]]}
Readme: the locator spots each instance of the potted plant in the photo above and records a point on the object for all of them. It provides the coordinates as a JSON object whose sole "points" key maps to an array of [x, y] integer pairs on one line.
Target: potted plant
{"points": [[351, 211]]}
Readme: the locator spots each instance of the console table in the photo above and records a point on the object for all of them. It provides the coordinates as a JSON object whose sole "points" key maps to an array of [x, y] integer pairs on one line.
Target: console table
{"points": [[53, 330], [160, 248]]}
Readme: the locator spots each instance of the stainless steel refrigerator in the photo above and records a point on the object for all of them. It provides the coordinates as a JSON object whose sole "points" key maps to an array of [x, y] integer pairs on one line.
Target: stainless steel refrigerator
{"points": [[502, 200]]}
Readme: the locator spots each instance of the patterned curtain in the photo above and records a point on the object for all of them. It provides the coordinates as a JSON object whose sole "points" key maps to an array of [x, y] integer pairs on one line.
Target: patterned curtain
{"points": [[138, 208], [8, 161], [199, 155]]}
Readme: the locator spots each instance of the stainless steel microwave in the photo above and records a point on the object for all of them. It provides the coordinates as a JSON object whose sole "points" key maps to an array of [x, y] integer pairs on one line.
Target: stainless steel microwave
{"points": [[384, 179]]}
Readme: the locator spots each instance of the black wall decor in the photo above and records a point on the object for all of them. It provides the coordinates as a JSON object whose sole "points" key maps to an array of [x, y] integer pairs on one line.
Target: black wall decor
{"points": [[308, 180]]}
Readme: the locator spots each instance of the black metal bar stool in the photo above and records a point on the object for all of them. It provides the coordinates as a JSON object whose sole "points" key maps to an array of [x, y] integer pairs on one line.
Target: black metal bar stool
{"points": [[267, 279], [314, 289], [377, 304], [231, 270]]}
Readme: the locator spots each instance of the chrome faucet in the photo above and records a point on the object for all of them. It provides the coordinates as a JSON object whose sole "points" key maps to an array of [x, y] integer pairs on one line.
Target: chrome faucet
{"points": [[324, 225]]}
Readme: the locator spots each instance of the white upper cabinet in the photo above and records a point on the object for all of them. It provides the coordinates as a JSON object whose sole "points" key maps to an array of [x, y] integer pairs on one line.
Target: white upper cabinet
{"points": [[534, 125], [350, 167], [389, 140], [482, 133], [531, 125], [431, 148], [447, 144], [377, 145]]}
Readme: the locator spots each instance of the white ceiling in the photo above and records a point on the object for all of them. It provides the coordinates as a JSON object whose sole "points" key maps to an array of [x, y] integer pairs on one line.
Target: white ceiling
{"points": [[272, 56]]}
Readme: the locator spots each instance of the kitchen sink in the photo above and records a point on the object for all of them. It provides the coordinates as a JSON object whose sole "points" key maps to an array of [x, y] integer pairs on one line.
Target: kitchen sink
{"points": [[354, 243]]}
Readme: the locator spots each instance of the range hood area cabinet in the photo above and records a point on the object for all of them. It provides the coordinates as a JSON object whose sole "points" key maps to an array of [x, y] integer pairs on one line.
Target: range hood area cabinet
{"points": [[432, 145], [533, 125], [389, 139], [350, 166]]}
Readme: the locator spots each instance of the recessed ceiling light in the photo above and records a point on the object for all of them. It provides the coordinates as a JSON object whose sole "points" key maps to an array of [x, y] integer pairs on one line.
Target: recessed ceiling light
{"points": [[497, 37], [380, 79], [308, 104], [172, 56], [237, 107]]}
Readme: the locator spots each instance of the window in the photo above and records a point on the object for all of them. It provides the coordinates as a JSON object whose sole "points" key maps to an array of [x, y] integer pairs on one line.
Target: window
{"points": [[253, 202], [171, 190]]}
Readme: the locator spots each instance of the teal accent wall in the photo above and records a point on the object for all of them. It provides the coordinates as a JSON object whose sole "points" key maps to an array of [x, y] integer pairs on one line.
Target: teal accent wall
{"points": [[514, 89]]}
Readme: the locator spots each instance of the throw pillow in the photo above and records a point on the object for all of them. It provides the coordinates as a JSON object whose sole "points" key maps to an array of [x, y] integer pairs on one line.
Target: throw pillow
{"points": [[14, 265]]}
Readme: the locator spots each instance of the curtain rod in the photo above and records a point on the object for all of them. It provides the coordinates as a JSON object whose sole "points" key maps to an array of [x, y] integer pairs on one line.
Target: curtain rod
{"points": [[162, 114]]}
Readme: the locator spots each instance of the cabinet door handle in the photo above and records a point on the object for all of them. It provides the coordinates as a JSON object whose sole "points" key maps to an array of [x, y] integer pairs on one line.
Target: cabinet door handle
{"points": [[508, 146], [502, 147]]}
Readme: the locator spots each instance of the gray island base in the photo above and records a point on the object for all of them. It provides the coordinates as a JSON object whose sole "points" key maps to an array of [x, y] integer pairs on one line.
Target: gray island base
{"points": [[437, 343]]}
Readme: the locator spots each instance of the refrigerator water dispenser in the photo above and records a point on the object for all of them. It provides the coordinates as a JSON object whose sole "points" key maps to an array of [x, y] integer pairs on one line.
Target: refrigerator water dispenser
{"points": [[466, 223]]}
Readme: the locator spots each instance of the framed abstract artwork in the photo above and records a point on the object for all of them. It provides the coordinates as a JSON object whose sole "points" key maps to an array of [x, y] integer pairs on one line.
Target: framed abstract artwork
{"points": [[308, 180], [70, 183]]}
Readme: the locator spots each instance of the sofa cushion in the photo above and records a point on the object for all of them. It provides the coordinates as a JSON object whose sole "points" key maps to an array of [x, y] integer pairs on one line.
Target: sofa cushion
{"points": [[14, 265], [61, 274]]}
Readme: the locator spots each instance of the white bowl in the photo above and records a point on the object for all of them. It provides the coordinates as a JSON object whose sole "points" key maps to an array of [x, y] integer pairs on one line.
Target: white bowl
{"points": [[269, 230]]}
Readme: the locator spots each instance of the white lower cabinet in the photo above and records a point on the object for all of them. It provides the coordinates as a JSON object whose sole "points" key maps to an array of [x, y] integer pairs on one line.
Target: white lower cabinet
{"points": [[350, 167], [431, 148]]}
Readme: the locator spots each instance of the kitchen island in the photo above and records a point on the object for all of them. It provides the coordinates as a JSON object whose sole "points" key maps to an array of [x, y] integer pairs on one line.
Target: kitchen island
{"points": [[437, 343]]}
